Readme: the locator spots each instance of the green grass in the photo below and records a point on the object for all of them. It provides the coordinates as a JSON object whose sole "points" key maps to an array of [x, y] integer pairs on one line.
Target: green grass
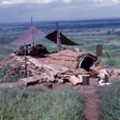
{"points": [[112, 62], [5, 73], [13, 78], [6, 49], [110, 102], [21, 103]]}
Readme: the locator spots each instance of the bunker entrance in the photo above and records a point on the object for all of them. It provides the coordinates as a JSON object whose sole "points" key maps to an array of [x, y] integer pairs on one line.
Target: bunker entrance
{"points": [[86, 63]]}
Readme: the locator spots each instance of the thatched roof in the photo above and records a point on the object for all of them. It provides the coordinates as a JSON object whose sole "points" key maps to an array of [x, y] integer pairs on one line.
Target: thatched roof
{"points": [[28, 37], [64, 40]]}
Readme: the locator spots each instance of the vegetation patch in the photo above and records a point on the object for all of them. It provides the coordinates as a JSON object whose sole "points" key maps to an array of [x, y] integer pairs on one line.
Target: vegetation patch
{"points": [[4, 71], [21, 103], [110, 102], [6, 49], [11, 72], [112, 63]]}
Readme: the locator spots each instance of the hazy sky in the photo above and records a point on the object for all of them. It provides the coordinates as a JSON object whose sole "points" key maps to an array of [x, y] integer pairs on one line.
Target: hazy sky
{"points": [[23, 10]]}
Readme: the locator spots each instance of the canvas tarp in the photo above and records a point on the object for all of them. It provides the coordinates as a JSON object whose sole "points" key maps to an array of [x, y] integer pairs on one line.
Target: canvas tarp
{"points": [[28, 37], [64, 40]]}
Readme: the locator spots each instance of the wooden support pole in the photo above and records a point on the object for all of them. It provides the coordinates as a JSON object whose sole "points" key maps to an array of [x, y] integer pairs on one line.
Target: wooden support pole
{"points": [[25, 60], [58, 37], [31, 22]]}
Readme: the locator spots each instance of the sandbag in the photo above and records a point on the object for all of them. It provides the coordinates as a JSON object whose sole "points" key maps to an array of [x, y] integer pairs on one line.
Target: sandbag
{"points": [[64, 58], [74, 64], [68, 53], [62, 62]]}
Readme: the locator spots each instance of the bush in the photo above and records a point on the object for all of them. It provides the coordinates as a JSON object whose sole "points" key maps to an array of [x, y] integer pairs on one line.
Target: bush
{"points": [[21, 103], [110, 102]]}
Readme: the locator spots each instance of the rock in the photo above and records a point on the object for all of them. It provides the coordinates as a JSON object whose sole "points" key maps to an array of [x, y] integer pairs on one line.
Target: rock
{"points": [[49, 85]]}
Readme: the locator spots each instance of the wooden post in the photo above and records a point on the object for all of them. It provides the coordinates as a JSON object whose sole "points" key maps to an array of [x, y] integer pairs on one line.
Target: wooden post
{"points": [[106, 78], [25, 60], [85, 79], [58, 37], [98, 50], [32, 29], [31, 22], [108, 56]]}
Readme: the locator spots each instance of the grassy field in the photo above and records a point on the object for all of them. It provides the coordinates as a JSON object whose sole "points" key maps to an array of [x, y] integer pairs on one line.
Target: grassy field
{"points": [[21, 103], [110, 102]]}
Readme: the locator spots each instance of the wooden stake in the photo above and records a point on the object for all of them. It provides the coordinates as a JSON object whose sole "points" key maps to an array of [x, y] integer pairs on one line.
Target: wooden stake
{"points": [[108, 56]]}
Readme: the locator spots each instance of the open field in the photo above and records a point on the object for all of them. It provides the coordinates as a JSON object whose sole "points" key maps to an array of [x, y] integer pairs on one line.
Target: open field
{"points": [[106, 32]]}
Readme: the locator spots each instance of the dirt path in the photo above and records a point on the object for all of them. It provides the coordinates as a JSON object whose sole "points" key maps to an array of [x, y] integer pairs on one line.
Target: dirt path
{"points": [[91, 97], [91, 107]]}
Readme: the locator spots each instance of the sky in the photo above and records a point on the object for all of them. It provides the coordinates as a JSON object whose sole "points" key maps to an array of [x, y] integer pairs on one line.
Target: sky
{"points": [[55, 10]]}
